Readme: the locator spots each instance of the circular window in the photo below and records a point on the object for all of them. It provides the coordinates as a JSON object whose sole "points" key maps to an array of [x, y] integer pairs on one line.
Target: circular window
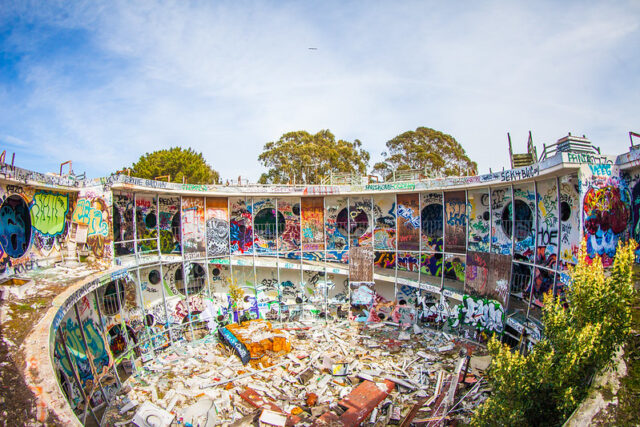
{"points": [[264, 223], [523, 220], [296, 209], [357, 226], [215, 272], [565, 211], [195, 280], [432, 220], [150, 220], [154, 277], [486, 216], [112, 298], [15, 223]]}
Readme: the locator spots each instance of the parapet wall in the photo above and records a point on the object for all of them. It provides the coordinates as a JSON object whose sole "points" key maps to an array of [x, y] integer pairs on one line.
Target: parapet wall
{"points": [[471, 254]]}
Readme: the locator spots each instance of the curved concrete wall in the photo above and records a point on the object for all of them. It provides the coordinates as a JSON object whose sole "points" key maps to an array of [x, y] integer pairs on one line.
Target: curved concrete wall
{"points": [[474, 254]]}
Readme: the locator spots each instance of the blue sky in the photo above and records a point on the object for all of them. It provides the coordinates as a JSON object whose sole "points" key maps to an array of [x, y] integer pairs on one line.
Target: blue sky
{"points": [[101, 83]]}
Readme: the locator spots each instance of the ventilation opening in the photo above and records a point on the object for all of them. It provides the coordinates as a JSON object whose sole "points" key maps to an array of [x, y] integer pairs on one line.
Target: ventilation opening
{"points": [[523, 220], [432, 220], [565, 211], [154, 277]]}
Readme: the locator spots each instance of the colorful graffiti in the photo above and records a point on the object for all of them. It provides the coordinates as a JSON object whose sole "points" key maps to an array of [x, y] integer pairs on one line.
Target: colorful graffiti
{"points": [[312, 209], [481, 313], [193, 227], [93, 214], [241, 229], [432, 222], [606, 213], [49, 212], [336, 226], [170, 224], [15, 226], [455, 216], [217, 227], [385, 260], [547, 233], [384, 234], [289, 237], [478, 211], [408, 222]]}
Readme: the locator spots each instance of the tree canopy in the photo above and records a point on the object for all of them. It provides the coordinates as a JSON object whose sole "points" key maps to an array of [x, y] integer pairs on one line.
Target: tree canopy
{"points": [[580, 338], [425, 148], [301, 157], [177, 162]]}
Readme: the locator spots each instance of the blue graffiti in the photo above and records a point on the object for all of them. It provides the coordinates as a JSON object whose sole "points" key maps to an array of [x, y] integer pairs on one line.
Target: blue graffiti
{"points": [[15, 226]]}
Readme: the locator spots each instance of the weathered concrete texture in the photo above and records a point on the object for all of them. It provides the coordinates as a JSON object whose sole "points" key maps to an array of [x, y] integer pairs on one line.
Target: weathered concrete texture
{"points": [[603, 393], [30, 391]]}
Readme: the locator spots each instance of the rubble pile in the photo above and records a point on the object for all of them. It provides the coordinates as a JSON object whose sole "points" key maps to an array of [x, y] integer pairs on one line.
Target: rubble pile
{"points": [[326, 374]]}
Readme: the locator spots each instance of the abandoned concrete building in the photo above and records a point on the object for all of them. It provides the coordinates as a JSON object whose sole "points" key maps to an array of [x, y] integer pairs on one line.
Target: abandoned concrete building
{"points": [[336, 303]]}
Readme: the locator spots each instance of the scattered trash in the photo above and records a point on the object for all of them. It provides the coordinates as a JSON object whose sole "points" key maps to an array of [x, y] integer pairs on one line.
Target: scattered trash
{"points": [[350, 373]]}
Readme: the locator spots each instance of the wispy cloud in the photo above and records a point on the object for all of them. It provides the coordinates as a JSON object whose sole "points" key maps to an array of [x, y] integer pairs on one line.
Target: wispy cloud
{"points": [[104, 83]]}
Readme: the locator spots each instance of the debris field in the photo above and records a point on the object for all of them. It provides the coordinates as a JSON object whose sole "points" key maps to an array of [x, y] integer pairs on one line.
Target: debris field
{"points": [[344, 374]]}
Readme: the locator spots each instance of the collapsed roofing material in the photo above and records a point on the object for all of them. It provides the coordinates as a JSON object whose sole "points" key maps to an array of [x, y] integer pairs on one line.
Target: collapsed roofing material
{"points": [[326, 374]]}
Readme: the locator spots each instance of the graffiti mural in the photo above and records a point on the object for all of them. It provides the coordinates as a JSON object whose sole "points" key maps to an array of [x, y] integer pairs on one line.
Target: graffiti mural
{"points": [[384, 214], [409, 224], [241, 228], [479, 212], [499, 278], [289, 237], [49, 212], [385, 260], [454, 272], [93, 211], [569, 220], [455, 221], [500, 240], [547, 233], [15, 226], [477, 273], [431, 268], [606, 213], [193, 227], [123, 223], [481, 313], [336, 223], [360, 225], [170, 224], [312, 223], [267, 225], [523, 208], [146, 223], [217, 226], [432, 213]]}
